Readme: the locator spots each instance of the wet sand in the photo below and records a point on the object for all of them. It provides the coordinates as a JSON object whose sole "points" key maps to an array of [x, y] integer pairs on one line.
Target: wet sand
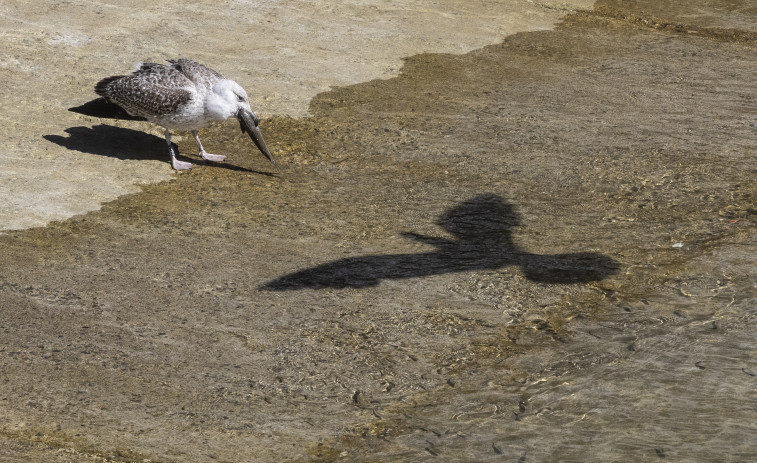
{"points": [[538, 250]]}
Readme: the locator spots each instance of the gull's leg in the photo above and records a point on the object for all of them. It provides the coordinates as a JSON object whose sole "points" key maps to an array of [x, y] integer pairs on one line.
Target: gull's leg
{"points": [[178, 165], [204, 154]]}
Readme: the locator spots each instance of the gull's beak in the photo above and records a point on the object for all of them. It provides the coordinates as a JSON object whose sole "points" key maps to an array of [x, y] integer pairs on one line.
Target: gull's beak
{"points": [[249, 123]]}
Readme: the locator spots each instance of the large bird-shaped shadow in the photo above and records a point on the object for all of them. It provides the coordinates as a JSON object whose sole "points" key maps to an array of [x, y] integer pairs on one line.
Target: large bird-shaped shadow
{"points": [[482, 230]]}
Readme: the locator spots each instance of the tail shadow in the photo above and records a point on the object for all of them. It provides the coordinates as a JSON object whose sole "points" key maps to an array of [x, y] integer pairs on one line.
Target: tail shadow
{"points": [[104, 109], [482, 231]]}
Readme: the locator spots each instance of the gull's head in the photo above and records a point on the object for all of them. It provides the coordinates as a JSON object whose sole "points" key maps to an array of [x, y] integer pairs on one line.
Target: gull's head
{"points": [[227, 98]]}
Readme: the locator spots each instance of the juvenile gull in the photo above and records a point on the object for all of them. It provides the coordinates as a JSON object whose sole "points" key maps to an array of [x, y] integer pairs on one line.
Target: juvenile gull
{"points": [[183, 95]]}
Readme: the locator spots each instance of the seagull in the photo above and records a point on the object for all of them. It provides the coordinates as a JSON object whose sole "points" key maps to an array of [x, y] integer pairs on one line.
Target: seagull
{"points": [[183, 95]]}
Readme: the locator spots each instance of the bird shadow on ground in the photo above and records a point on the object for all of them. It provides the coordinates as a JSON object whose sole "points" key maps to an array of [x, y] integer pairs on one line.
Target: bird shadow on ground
{"points": [[482, 230], [123, 143], [114, 142]]}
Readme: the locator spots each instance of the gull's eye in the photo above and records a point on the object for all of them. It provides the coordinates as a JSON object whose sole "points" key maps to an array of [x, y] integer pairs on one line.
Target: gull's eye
{"points": [[240, 97]]}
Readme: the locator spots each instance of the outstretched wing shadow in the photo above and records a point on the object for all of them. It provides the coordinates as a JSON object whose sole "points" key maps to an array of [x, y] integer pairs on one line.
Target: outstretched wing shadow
{"points": [[482, 231]]}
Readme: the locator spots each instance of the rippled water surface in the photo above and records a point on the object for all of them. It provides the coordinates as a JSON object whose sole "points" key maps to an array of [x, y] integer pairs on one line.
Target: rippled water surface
{"points": [[542, 250]]}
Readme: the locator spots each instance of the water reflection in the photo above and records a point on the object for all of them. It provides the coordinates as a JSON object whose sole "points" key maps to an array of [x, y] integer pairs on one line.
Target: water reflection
{"points": [[482, 230]]}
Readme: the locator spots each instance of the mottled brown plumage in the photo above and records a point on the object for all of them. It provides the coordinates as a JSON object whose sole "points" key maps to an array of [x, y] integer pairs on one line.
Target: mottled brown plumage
{"points": [[152, 90], [182, 95]]}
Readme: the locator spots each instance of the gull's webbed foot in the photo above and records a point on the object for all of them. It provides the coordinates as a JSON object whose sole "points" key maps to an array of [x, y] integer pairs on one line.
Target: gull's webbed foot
{"points": [[180, 165], [212, 157]]}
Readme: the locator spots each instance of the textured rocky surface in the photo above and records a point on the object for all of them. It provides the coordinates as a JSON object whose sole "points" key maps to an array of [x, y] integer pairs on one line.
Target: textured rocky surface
{"points": [[537, 250]]}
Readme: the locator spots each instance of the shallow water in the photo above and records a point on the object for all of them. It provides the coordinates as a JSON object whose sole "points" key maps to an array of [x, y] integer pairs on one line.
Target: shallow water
{"points": [[668, 376], [538, 251]]}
